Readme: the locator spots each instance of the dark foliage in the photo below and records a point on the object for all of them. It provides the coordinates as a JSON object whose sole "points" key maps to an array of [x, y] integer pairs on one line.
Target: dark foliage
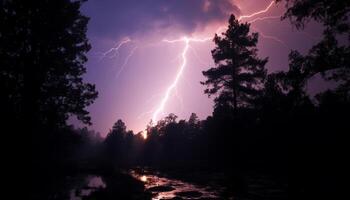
{"points": [[43, 51], [333, 14], [330, 56]]}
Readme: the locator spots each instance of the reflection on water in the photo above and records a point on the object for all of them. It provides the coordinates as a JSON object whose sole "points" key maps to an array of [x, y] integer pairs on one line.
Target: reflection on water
{"points": [[165, 188], [143, 178], [90, 184]]}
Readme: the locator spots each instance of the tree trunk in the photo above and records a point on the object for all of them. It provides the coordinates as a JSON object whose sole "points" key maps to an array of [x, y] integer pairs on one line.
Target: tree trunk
{"points": [[234, 87], [234, 98]]}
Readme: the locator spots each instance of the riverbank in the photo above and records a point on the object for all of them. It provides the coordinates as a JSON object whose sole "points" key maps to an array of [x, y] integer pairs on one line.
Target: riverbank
{"points": [[211, 184]]}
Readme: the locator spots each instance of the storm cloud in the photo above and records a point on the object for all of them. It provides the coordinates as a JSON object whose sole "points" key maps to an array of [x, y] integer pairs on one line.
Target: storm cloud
{"points": [[121, 18]]}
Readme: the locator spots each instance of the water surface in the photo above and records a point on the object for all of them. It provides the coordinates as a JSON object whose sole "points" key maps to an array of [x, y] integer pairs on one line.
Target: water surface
{"points": [[89, 184], [163, 187]]}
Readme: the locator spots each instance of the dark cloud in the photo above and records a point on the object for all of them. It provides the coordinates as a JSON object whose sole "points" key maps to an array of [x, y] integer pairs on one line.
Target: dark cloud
{"points": [[120, 18]]}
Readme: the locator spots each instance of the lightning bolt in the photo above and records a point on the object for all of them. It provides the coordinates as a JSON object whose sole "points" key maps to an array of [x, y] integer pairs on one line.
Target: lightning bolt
{"points": [[257, 13], [126, 61], [264, 18], [187, 41], [114, 51], [276, 39]]}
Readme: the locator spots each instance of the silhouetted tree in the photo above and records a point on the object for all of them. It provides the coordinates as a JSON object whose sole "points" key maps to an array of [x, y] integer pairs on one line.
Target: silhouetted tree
{"points": [[239, 73], [292, 82], [332, 14], [193, 120], [273, 98], [115, 143], [171, 118], [42, 55], [330, 56], [284, 94], [193, 126], [331, 59]]}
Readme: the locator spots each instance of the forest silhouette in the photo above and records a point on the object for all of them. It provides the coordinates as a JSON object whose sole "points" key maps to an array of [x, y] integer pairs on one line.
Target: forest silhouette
{"points": [[263, 124]]}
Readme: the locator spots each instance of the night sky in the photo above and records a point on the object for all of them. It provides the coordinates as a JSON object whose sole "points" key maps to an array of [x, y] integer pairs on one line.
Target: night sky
{"points": [[133, 80]]}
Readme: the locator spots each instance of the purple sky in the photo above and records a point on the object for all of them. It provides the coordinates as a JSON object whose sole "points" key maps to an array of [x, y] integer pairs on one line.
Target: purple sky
{"points": [[133, 82]]}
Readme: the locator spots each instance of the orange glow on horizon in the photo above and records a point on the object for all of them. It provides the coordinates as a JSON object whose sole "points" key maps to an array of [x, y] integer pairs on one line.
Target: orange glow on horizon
{"points": [[143, 178], [144, 135]]}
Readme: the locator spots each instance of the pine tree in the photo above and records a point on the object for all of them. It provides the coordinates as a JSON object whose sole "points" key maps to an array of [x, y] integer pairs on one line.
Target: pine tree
{"points": [[239, 73]]}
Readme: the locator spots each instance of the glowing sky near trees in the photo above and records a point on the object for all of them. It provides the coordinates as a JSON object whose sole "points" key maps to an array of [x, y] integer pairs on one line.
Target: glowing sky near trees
{"points": [[147, 56]]}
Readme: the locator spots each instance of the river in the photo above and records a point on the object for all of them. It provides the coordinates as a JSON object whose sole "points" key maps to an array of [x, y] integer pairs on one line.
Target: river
{"points": [[158, 185], [163, 187], [150, 184]]}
